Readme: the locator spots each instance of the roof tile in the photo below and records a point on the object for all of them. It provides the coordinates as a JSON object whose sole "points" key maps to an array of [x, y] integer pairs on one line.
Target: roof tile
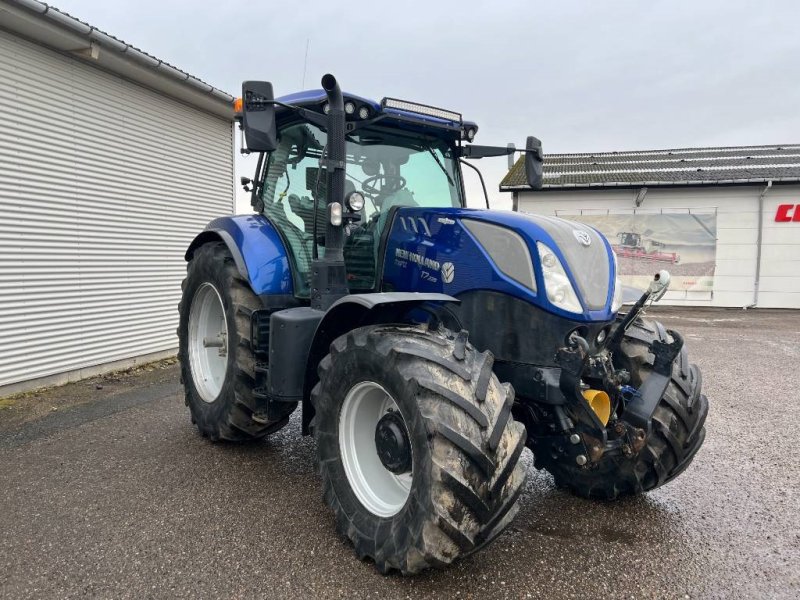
{"points": [[695, 166]]}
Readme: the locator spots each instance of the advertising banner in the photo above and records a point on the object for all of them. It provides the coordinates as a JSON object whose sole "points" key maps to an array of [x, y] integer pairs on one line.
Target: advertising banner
{"points": [[685, 244]]}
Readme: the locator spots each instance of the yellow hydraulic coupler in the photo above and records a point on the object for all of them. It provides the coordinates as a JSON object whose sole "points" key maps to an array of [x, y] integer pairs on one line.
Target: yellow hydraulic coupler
{"points": [[600, 403]]}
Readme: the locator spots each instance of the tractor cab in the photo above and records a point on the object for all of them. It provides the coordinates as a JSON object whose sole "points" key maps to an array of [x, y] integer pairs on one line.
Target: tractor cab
{"points": [[629, 239], [395, 154], [385, 169]]}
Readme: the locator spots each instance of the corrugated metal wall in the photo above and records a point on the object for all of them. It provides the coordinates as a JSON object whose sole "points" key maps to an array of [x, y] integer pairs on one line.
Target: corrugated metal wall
{"points": [[102, 186]]}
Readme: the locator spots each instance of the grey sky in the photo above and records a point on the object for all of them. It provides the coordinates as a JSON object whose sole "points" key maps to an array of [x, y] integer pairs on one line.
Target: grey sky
{"points": [[579, 75]]}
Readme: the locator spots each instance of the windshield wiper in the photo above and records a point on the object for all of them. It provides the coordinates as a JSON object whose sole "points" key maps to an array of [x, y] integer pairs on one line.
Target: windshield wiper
{"points": [[441, 166]]}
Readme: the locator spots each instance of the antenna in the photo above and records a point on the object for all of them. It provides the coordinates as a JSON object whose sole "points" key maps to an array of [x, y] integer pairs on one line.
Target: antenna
{"points": [[305, 64]]}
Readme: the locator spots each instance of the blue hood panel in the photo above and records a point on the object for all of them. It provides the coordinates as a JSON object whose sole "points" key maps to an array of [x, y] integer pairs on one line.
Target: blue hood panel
{"points": [[428, 250]]}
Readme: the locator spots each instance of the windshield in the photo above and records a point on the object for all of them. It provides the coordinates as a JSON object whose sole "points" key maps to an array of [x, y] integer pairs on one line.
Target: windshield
{"points": [[388, 167]]}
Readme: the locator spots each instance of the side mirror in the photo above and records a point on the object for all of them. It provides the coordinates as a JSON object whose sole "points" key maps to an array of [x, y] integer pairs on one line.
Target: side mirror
{"points": [[258, 116], [534, 161]]}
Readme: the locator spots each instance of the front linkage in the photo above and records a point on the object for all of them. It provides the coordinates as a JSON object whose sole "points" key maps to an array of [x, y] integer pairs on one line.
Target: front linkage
{"points": [[623, 410]]}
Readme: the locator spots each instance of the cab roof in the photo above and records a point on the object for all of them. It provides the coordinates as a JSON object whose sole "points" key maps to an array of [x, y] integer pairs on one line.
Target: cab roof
{"points": [[403, 114]]}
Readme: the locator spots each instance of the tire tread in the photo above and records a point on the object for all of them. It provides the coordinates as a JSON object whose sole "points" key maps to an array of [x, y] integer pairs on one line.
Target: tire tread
{"points": [[235, 422], [475, 445]]}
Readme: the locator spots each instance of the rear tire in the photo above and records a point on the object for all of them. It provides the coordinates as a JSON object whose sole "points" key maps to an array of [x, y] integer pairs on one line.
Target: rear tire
{"points": [[219, 391], [678, 426], [465, 475]]}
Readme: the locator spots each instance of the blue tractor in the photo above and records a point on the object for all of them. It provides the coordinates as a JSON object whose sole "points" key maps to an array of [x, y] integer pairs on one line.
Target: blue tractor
{"points": [[427, 343]]}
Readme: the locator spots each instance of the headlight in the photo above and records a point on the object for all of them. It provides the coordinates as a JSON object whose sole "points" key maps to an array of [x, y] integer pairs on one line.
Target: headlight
{"points": [[556, 283], [616, 302], [355, 201], [506, 249]]}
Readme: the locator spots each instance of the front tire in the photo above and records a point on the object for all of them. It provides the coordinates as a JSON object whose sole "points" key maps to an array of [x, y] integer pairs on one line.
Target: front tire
{"points": [[217, 361], [677, 433], [463, 447]]}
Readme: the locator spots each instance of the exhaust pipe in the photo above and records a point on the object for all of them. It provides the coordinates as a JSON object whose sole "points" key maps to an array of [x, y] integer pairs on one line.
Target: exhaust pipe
{"points": [[335, 164], [328, 274], [332, 89]]}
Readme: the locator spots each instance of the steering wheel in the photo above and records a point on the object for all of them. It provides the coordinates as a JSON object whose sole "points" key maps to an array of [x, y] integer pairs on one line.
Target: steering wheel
{"points": [[383, 184]]}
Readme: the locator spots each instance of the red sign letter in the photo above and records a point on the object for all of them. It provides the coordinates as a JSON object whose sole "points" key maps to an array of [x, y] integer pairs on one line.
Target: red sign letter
{"points": [[782, 215]]}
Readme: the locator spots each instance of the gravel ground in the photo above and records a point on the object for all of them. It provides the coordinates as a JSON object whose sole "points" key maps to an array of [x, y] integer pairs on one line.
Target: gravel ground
{"points": [[117, 496]]}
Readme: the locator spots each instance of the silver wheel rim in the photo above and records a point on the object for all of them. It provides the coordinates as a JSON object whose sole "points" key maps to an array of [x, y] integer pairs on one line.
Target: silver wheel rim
{"points": [[208, 342], [380, 491]]}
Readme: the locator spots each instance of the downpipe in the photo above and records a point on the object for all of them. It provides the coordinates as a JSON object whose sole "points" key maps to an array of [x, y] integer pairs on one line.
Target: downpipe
{"points": [[760, 234]]}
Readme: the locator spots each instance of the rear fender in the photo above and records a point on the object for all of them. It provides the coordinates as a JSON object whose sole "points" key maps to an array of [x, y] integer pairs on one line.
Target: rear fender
{"points": [[358, 310], [257, 250]]}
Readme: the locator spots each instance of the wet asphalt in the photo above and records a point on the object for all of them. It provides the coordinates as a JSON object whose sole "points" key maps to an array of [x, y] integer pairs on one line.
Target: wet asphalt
{"points": [[117, 496]]}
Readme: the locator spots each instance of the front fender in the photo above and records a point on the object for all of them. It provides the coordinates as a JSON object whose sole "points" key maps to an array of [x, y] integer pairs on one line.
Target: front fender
{"points": [[257, 250], [358, 310]]}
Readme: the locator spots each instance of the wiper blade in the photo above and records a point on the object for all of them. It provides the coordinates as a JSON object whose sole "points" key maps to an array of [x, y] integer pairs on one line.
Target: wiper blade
{"points": [[441, 166]]}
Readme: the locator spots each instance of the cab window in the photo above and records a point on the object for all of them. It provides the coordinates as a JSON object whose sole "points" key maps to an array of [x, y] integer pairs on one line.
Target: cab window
{"points": [[388, 167]]}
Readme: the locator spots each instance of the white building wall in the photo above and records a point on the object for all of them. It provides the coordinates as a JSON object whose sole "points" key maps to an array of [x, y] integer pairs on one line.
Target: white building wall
{"points": [[737, 236], [780, 252], [103, 184]]}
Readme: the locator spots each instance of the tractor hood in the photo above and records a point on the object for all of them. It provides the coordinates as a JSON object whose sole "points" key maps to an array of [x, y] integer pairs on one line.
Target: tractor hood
{"points": [[564, 267]]}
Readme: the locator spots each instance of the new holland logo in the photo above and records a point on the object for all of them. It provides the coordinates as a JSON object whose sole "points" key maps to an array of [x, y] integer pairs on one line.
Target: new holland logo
{"points": [[448, 272], [582, 237]]}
